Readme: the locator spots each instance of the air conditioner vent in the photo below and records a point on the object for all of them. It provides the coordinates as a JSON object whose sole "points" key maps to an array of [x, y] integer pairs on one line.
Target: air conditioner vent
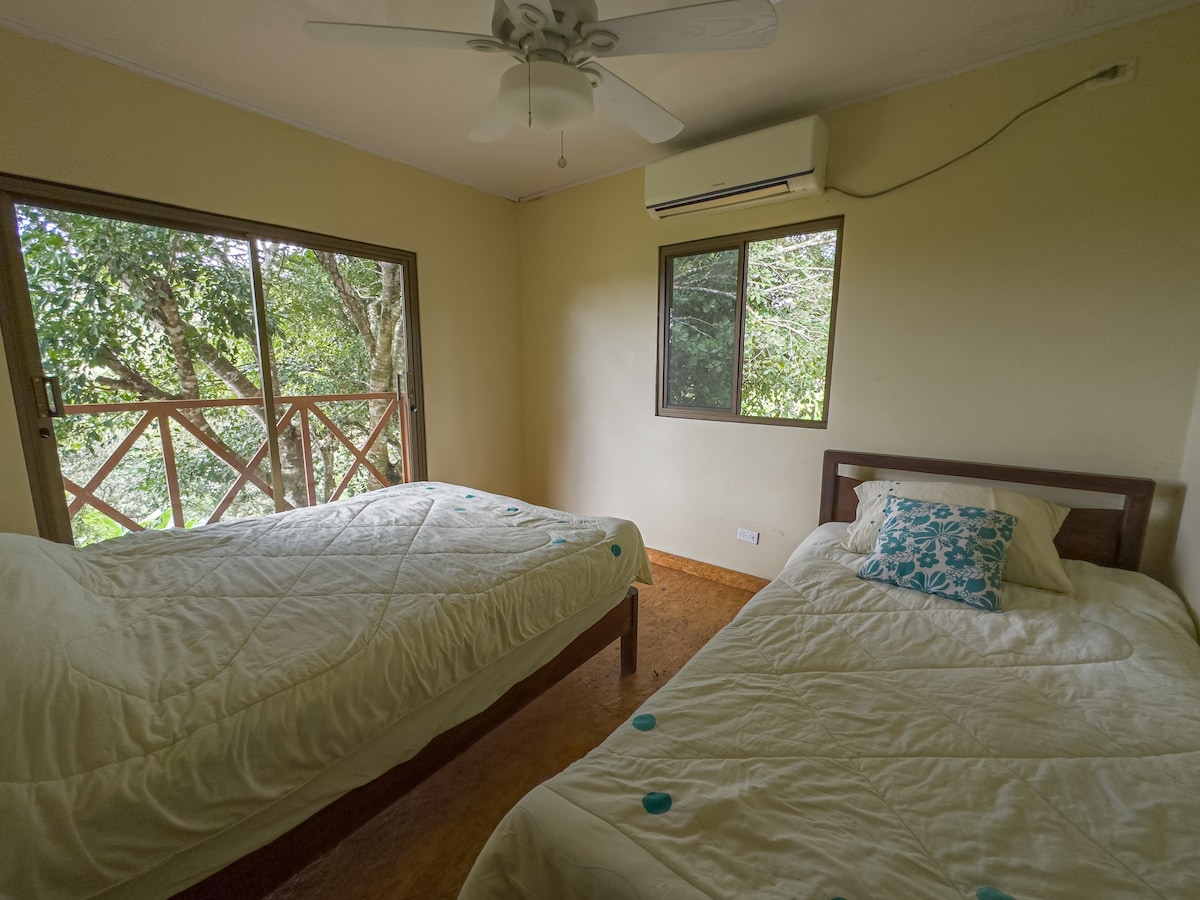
{"points": [[767, 165]]}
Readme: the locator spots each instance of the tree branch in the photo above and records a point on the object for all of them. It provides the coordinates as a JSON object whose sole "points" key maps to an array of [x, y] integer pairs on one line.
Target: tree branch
{"points": [[163, 307], [128, 379], [231, 375], [357, 309]]}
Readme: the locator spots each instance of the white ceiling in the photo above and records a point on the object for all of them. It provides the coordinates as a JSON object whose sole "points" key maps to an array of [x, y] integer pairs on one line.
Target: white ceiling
{"points": [[418, 105]]}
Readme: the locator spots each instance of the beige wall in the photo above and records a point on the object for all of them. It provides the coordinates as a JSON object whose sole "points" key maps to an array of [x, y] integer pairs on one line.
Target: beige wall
{"points": [[1034, 304], [73, 119], [1184, 573], [16, 505]]}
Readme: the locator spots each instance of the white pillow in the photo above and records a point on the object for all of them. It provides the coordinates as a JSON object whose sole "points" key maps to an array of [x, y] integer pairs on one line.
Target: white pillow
{"points": [[1032, 557]]}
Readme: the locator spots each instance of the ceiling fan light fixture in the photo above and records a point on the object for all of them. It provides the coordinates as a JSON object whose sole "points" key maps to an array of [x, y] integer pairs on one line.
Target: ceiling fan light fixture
{"points": [[546, 94]]}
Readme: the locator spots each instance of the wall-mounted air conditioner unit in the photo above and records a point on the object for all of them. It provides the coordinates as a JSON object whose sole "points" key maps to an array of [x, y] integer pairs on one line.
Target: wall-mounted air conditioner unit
{"points": [[772, 164]]}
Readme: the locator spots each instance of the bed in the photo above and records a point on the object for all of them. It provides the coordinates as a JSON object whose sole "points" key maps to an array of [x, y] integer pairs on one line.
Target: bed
{"points": [[177, 705], [846, 737]]}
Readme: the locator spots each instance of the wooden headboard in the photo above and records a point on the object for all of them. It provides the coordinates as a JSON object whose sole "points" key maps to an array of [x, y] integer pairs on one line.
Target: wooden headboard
{"points": [[1107, 537]]}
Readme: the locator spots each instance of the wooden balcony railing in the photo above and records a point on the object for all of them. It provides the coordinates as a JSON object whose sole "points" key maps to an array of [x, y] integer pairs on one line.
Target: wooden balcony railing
{"points": [[168, 413]]}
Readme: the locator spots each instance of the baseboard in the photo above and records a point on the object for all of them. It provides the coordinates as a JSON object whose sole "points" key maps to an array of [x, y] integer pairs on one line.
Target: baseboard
{"points": [[727, 577]]}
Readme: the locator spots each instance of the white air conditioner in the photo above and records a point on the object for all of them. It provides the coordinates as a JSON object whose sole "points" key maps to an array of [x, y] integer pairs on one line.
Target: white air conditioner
{"points": [[772, 164]]}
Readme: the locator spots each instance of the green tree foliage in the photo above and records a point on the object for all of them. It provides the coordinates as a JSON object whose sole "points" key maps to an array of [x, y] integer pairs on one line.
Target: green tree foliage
{"points": [[316, 349], [703, 329], [133, 312], [125, 311], [338, 327], [789, 297]]}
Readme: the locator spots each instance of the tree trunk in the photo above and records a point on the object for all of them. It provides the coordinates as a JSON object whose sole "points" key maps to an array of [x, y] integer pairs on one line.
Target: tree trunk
{"points": [[328, 477], [380, 323]]}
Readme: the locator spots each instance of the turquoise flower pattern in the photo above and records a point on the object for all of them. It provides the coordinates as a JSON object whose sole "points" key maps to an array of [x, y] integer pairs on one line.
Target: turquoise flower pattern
{"points": [[956, 552]]}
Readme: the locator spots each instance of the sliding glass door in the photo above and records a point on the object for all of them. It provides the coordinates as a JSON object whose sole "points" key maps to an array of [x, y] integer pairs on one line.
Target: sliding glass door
{"points": [[173, 368]]}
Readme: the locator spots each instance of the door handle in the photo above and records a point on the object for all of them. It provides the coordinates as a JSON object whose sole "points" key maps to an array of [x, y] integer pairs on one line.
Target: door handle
{"points": [[49, 396]]}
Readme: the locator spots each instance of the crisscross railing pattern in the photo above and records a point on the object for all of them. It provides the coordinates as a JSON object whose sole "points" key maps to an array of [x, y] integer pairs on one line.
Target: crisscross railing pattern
{"points": [[171, 413]]}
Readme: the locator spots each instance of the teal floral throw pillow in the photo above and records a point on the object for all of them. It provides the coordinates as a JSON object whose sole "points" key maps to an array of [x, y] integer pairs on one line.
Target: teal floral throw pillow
{"points": [[955, 552]]}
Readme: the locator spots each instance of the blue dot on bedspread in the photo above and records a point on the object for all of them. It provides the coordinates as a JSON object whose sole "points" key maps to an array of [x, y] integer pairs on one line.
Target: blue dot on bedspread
{"points": [[656, 803], [990, 893], [644, 722], [616, 549]]}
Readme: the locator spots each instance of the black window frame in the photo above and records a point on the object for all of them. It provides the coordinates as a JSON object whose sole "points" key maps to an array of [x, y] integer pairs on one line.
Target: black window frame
{"points": [[740, 242]]}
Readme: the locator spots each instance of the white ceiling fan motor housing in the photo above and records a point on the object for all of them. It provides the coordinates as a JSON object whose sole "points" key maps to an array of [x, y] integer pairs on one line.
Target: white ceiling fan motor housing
{"points": [[516, 22]]}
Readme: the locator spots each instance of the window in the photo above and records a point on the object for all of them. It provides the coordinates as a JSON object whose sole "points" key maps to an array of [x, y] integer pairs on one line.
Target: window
{"points": [[746, 325]]}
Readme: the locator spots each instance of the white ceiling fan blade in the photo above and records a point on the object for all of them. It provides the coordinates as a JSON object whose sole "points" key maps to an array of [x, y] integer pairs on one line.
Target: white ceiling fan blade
{"points": [[631, 106], [496, 123], [393, 36], [721, 25]]}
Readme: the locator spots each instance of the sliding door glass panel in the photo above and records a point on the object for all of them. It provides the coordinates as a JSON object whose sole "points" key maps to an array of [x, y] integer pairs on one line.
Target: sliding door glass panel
{"points": [[150, 331], [338, 336]]}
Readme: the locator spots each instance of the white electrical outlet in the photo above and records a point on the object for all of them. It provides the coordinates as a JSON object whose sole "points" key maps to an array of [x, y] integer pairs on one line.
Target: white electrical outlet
{"points": [[745, 534]]}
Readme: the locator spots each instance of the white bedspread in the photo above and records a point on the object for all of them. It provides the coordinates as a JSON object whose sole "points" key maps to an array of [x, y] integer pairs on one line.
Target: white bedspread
{"points": [[166, 690], [841, 738]]}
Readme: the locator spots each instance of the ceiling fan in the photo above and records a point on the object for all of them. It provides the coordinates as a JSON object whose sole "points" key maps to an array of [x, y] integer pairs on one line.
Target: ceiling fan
{"points": [[557, 42]]}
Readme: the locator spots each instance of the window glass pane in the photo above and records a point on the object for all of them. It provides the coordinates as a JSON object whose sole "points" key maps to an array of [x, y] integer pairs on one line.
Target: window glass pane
{"points": [[337, 333], [151, 332], [702, 334], [789, 298]]}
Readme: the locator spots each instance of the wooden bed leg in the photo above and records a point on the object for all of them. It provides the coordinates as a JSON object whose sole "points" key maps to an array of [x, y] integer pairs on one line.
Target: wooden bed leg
{"points": [[629, 638]]}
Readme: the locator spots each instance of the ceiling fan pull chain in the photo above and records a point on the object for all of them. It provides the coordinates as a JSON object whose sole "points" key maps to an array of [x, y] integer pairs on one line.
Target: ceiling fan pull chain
{"points": [[562, 150]]}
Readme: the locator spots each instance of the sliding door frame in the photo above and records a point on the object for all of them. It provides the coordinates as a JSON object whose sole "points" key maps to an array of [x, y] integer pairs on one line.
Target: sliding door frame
{"points": [[20, 334]]}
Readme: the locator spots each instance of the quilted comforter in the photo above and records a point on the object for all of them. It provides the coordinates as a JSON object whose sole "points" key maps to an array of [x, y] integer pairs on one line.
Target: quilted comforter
{"points": [[171, 700], [846, 739]]}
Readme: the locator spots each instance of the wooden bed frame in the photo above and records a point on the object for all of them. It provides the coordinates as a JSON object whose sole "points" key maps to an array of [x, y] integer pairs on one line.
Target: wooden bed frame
{"points": [[260, 872], [1108, 537]]}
